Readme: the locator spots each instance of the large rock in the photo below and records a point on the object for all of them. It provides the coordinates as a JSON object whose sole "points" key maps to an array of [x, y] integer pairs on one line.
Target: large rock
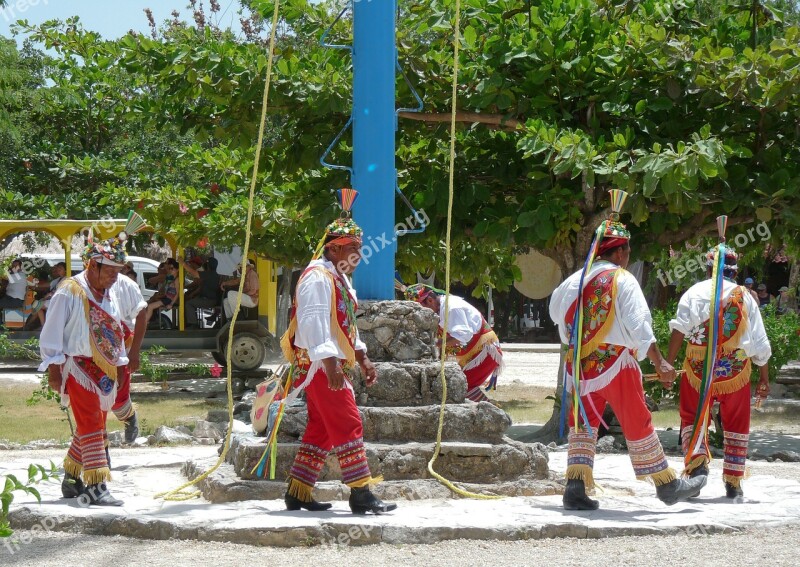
{"points": [[470, 422], [465, 462], [397, 330], [168, 435], [411, 384]]}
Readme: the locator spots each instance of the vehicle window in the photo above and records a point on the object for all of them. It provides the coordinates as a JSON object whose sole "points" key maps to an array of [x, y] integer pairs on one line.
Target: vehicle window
{"points": [[147, 276]]}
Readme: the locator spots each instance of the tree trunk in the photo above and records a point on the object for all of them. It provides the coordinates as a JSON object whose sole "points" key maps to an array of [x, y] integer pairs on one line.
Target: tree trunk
{"points": [[794, 276], [549, 431]]}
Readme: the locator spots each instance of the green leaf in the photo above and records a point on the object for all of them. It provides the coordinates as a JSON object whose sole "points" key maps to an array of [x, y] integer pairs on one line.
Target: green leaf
{"points": [[526, 219], [470, 36]]}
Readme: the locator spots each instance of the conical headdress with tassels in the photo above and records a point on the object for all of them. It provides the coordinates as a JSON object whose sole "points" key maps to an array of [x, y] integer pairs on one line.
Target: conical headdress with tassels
{"points": [[344, 229]]}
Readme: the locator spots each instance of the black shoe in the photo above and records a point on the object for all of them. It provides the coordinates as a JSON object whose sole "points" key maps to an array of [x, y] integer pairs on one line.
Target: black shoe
{"points": [[575, 496], [680, 489], [362, 500], [733, 491], [699, 471], [293, 503], [131, 429], [71, 487], [98, 495]]}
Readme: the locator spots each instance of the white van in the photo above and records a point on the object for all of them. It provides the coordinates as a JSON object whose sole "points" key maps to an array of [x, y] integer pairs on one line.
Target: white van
{"points": [[145, 268]]}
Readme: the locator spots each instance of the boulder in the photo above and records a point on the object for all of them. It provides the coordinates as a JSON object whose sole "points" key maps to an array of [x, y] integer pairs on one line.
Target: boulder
{"points": [[166, 434], [470, 422], [411, 384], [397, 330]]}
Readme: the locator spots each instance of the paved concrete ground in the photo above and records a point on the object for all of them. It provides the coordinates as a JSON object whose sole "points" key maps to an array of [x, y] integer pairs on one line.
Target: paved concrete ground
{"points": [[628, 507]]}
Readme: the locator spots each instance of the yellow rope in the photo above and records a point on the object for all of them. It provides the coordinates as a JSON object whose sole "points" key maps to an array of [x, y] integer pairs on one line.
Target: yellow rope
{"points": [[180, 493], [437, 476]]}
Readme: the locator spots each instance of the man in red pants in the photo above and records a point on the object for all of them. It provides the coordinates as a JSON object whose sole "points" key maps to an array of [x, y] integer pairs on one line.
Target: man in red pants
{"points": [[742, 339], [469, 338], [323, 343], [83, 349], [616, 331]]}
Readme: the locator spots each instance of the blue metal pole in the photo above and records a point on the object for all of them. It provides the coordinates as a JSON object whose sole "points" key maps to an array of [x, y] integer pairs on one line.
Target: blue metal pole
{"points": [[374, 125]]}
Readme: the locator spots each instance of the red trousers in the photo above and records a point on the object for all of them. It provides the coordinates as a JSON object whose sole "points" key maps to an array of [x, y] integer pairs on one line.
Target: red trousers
{"points": [[734, 409], [626, 397], [334, 424], [123, 407], [477, 377], [87, 452]]}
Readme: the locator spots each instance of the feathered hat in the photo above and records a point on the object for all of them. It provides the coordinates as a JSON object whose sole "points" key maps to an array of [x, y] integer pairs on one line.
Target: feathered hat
{"points": [[418, 292], [111, 251]]}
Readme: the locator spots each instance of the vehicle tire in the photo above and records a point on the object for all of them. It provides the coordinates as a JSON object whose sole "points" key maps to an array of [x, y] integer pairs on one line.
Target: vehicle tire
{"points": [[248, 351], [166, 324], [219, 357]]}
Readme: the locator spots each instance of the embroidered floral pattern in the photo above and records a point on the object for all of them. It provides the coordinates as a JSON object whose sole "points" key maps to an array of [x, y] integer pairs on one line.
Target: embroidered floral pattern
{"points": [[697, 335], [106, 334]]}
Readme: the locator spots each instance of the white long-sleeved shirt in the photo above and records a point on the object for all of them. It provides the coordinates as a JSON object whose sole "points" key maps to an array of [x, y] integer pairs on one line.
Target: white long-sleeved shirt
{"points": [[694, 307], [131, 300], [66, 332], [314, 314], [463, 320], [632, 326]]}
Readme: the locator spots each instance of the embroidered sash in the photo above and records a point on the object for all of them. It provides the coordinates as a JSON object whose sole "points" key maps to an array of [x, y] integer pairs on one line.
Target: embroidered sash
{"points": [[732, 371], [597, 303], [106, 335]]}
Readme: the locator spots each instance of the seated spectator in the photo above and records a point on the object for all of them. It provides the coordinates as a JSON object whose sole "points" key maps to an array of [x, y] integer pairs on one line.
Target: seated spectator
{"points": [[208, 288], [170, 294], [249, 293], [58, 273], [17, 287], [159, 279]]}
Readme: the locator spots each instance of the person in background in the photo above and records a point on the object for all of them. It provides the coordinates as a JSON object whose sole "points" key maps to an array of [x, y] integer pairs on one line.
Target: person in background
{"points": [[764, 298], [749, 283], [17, 286], [208, 287], [170, 290], [249, 293], [40, 309]]}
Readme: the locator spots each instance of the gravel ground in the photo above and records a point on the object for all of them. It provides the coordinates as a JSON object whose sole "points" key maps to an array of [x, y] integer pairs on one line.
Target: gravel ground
{"points": [[770, 546]]}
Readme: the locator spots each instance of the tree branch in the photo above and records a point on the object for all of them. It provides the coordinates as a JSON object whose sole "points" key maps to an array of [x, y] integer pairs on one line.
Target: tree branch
{"points": [[499, 120]]}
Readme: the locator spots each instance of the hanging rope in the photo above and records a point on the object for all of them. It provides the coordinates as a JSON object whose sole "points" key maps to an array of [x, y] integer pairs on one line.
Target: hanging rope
{"points": [[180, 493], [437, 476]]}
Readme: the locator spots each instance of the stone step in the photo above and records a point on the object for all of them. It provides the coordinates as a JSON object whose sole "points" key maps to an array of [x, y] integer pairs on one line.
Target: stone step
{"points": [[224, 486], [470, 422], [411, 384], [464, 462]]}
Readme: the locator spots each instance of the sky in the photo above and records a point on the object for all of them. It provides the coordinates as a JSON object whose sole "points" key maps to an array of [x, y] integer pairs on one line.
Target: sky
{"points": [[111, 18]]}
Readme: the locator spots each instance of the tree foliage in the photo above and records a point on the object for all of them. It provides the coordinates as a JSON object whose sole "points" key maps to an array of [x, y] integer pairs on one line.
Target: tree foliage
{"points": [[686, 104]]}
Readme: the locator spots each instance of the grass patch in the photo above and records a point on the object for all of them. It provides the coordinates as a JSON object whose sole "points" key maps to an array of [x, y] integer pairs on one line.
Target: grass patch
{"points": [[20, 423]]}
